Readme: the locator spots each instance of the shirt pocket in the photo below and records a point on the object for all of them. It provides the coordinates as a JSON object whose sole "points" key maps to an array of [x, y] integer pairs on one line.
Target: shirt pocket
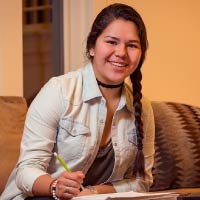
{"points": [[132, 137], [130, 148], [72, 138]]}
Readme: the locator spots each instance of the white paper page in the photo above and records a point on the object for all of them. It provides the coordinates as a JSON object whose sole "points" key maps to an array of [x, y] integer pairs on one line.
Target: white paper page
{"points": [[122, 194]]}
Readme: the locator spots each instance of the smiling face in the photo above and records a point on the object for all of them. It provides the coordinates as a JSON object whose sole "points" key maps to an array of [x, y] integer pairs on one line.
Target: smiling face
{"points": [[117, 52]]}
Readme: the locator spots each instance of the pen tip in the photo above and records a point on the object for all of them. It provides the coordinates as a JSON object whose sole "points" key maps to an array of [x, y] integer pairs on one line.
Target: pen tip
{"points": [[55, 154]]}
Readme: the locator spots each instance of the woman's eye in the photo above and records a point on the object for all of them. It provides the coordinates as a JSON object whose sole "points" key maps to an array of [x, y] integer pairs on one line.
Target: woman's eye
{"points": [[133, 45], [112, 42]]}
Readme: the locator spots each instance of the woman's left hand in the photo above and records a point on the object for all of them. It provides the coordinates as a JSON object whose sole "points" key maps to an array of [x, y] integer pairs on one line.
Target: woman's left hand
{"points": [[85, 192]]}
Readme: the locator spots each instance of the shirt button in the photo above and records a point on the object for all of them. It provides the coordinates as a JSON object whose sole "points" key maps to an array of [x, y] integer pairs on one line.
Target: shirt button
{"points": [[74, 131], [101, 121]]}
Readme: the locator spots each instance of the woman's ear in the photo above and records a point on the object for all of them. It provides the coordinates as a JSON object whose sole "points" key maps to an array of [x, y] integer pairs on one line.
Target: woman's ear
{"points": [[91, 52]]}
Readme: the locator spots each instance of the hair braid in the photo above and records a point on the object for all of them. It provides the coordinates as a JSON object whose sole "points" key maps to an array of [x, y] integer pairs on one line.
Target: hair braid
{"points": [[136, 78]]}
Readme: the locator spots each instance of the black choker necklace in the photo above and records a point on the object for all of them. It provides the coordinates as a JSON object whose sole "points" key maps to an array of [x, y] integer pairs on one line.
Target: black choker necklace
{"points": [[109, 86]]}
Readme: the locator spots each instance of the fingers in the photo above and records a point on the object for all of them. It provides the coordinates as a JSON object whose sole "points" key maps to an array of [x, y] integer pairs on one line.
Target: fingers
{"points": [[68, 184], [66, 192], [74, 179], [74, 176]]}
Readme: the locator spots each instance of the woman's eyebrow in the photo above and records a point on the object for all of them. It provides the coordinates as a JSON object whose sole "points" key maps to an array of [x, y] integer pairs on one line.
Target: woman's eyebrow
{"points": [[115, 38], [111, 37]]}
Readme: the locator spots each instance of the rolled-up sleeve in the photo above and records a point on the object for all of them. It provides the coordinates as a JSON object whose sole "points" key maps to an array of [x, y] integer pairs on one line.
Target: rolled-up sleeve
{"points": [[39, 135]]}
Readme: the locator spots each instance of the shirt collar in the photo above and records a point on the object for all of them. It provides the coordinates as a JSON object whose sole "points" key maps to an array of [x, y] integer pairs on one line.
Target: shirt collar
{"points": [[90, 86], [126, 98], [91, 89], [128, 93]]}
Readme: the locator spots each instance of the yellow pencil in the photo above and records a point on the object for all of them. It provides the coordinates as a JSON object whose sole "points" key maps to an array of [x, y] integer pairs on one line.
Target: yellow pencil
{"points": [[62, 162]]}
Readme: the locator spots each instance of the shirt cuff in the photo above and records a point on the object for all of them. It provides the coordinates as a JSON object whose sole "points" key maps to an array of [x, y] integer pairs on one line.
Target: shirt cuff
{"points": [[26, 177], [136, 185]]}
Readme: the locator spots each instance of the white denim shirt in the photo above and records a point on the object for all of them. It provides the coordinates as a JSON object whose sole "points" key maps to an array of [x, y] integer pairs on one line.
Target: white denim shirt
{"points": [[68, 117]]}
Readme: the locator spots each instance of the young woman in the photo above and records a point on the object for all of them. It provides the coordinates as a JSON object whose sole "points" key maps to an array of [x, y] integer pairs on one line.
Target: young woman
{"points": [[100, 124]]}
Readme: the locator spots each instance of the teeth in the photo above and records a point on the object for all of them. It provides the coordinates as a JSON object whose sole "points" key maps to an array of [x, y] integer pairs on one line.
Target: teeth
{"points": [[118, 64]]}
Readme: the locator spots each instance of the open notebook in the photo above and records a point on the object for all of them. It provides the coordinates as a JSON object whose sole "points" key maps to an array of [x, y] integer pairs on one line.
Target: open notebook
{"points": [[130, 196]]}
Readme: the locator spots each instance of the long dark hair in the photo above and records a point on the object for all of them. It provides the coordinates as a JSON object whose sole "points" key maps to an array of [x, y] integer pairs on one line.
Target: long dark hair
{"points": [[103, 19]]}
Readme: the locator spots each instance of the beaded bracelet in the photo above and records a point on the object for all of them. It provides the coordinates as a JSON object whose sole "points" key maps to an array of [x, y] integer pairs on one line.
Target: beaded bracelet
{"points": [[92, 189], [50, 186], [54, 190]]}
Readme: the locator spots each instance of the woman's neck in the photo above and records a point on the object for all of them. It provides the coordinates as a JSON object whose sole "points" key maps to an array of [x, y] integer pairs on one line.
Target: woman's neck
{"points": [[110, 91], [110, 94], [109, 86]]}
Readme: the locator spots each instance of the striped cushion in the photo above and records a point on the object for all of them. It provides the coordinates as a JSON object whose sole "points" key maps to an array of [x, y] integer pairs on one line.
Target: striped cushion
{"points": [[177, 144]]}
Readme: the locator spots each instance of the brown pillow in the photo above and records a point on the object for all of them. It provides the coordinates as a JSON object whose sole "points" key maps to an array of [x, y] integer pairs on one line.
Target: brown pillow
{"points": [[177, 144], [12, 116]]}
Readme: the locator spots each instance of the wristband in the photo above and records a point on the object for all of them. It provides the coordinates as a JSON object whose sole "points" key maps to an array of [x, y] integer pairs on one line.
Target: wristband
{"points": [[92, 189], [53, 191]]}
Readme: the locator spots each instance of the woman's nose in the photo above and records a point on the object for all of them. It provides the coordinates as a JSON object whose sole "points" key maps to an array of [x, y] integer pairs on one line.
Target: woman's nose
{"points": [[121, 50]]}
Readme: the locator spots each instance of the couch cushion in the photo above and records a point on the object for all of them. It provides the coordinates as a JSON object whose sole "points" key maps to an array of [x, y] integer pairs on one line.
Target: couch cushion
{"points": [[12, 116], [177, 144]]}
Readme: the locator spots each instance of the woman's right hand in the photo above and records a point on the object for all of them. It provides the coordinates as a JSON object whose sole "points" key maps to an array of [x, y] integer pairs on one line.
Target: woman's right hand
{"points": [[68, 184]]}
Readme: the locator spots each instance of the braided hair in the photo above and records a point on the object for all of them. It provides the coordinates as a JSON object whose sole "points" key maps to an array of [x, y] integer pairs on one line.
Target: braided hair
{"points": [[103, 19]]}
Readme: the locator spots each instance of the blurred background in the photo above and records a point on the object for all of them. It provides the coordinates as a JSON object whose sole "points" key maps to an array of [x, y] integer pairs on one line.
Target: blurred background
{"points": [[44, 38]]}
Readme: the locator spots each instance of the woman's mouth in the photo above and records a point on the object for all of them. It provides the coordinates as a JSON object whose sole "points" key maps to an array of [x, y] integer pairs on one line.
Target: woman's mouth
{"points": [[118, 64]]}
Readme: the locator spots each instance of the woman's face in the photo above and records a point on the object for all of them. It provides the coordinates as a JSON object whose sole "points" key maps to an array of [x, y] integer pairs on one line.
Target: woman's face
{"points": [[117, 52]]}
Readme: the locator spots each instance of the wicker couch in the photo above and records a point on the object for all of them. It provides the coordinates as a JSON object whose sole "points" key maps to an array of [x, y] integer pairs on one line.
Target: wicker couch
{"points": [[177, 158]]}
